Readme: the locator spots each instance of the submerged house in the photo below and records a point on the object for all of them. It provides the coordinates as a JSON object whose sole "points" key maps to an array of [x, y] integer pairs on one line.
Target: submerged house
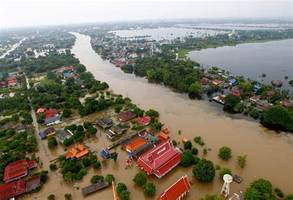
{"points": [[17, 170], [160, 160], [12, 190], [47, 132], [62, 135], [94, 187], [126, 116], [105, 123], [116, 131], [177, 191], [78, 151], [143, 121]]}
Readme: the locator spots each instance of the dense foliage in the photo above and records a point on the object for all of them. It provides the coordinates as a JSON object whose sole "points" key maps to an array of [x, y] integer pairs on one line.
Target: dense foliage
{"points": [[204, 171], [261, 190]]}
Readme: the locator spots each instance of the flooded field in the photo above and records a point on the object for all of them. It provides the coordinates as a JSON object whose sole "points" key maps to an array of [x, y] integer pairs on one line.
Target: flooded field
{"points": [[166, 33], [269, 155], [274, 59]]}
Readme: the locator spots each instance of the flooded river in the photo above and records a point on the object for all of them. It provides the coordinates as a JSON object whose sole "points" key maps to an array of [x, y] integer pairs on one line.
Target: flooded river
{"points": [[269, 155]]}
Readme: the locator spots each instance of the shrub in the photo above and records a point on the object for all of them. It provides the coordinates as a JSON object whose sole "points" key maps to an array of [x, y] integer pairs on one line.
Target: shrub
{"points": [[194, 151], [149, 189], [68, 196], [260, 189], [120, 187], [188, 145], [96, 178], [279, 192], [204, 171], [53, 167], [198, 140], [51, 197], [109, 178], [224, 171], [124, 195], [52, 142], [187, 159], [140, 178], [225, 153], [241, 160]]}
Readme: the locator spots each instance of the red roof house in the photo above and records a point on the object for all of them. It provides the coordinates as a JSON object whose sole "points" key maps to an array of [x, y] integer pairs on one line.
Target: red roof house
{"points": [[135, 144], [11, 81], [160, 160], [143, 121], [177, 191], [41, 110], [13, 189], [18, 169], [51, 113]]}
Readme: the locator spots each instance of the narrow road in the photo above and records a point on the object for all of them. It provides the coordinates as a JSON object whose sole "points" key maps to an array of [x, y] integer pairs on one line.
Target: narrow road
{"points": [[35, 122]]}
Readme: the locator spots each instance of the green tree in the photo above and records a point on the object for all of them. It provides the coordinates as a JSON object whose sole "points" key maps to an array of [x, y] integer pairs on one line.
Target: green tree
{"points": [[53, 167], [109, 178], [231, 102], [241, 160], [96, 178], [149, 189], [187, 159], [124, 195], [260, 189], [51, 197], [278, 117], [68, 196], [225, 153], [140, 178], [204, 171], [66, 113], [290, 196], [188, 145], [152, 113], [52, 142], [195, 90], [120, 187]]}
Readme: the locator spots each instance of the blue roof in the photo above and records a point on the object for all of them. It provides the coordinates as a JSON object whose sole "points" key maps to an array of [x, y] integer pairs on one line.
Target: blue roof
{"points": [[105, 154], [42, 135]]}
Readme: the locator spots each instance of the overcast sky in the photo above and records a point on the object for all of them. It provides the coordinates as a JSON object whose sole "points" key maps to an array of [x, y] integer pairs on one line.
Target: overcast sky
{"points": [[18, 13]]}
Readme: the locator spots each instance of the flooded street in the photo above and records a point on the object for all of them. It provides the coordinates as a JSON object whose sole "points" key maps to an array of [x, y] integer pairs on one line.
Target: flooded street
{"points": [[269, 155]]}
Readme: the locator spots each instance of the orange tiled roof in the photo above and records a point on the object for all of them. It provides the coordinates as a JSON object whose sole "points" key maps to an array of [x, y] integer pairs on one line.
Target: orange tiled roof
{"points": [[135, 144], [77, 152]]}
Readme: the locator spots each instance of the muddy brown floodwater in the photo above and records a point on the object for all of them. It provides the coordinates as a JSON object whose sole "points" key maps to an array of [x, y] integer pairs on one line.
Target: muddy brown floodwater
{"points": [[269, 155]]}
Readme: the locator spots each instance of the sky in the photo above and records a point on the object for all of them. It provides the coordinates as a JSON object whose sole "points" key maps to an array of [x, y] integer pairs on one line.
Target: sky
{"points": [[21, 13]]}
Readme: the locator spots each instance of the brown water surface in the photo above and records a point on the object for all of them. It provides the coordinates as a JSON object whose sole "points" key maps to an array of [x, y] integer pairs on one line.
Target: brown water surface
{"points": [[269, 155]]}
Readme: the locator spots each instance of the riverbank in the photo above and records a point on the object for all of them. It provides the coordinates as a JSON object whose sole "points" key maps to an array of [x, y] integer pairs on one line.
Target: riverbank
{"points": [[194, 118]]}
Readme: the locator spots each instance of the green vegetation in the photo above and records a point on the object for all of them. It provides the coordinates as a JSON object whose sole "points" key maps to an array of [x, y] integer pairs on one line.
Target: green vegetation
{"points": [[289, 197], [15, 146], [149, 189], [212, 197], [188, 145], [140, 179], [68, 196], [198, 140], [241, 160], [52, 142], [122, 191], [231, 103], [188, 159], [53, 167], [279, 118], [260, 189], [204, 171], [225, 153], [96, 178], [51, 197], [279, 192], [224, 171], [109, 178]]}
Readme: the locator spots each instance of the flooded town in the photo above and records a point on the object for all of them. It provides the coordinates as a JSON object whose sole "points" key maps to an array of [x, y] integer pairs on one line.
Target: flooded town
{"points": [[147, 109]]}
